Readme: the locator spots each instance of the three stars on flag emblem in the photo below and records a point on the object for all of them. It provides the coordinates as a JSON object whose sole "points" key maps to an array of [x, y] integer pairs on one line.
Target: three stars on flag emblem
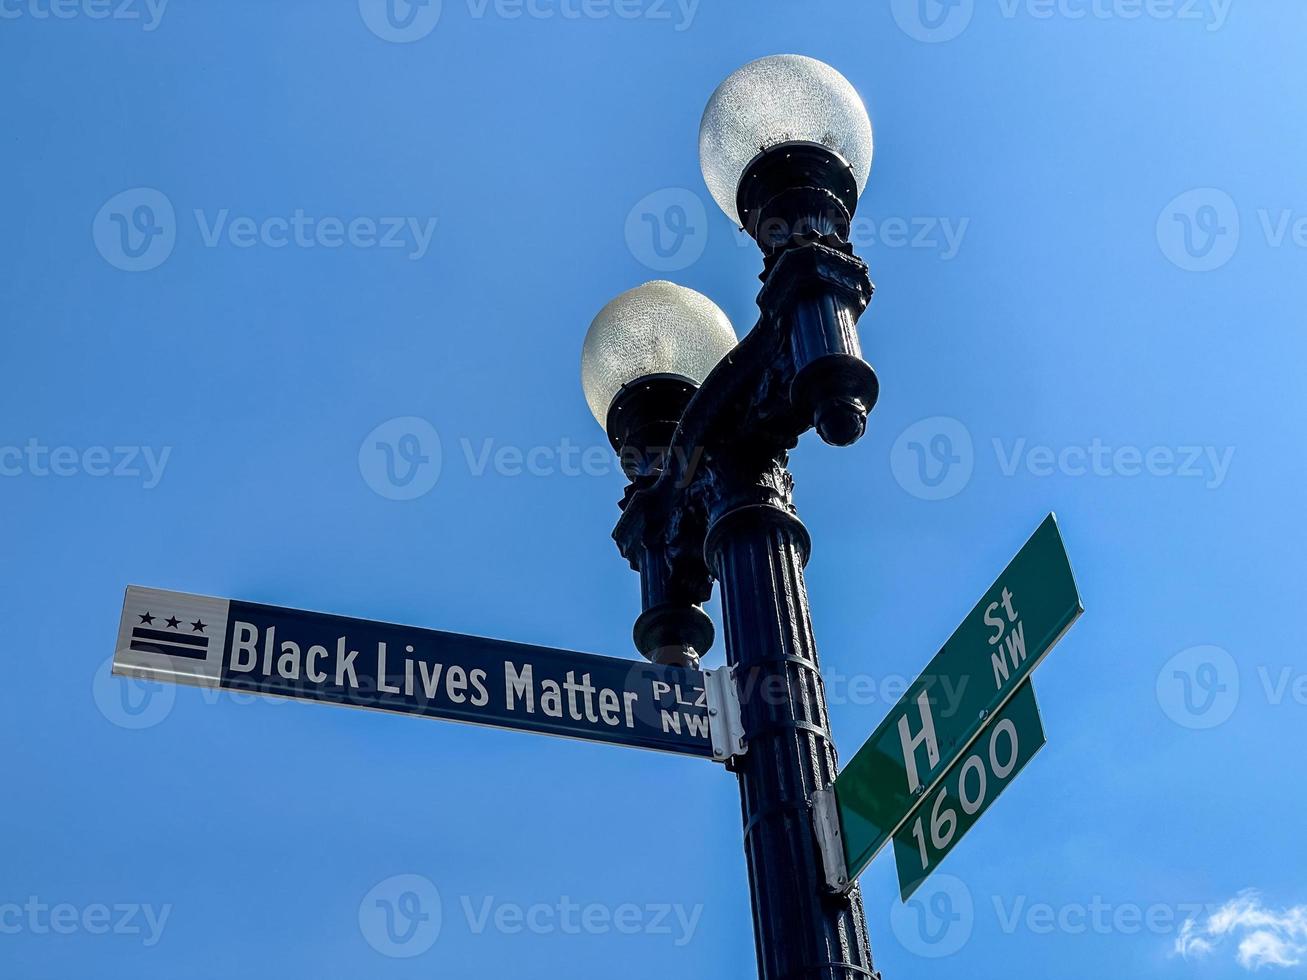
{"points": [[171, 639]]}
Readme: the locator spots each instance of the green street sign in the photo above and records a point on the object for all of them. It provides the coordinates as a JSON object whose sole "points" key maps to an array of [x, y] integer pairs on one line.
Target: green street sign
{"points": [[969, 786], [981, 667]]}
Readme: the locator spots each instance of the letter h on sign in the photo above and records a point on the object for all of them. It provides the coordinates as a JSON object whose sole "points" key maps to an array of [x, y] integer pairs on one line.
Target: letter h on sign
{"points": [[912, 742]]}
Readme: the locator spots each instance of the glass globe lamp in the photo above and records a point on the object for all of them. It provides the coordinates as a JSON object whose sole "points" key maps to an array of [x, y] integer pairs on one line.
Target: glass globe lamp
{"points": [[644, 356], [782, 123]]}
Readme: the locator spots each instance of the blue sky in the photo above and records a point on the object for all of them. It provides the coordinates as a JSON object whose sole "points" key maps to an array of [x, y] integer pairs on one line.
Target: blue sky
{"points": [[1086, 223]]}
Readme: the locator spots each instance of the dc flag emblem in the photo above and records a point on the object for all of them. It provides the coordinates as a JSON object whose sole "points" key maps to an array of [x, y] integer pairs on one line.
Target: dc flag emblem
{"points": [[171, 635], [172, 638]]}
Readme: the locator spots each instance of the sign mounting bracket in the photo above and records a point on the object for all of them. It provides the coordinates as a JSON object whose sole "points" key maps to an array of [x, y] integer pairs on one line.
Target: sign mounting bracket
{"points": [[724, 723], [830, 841]]}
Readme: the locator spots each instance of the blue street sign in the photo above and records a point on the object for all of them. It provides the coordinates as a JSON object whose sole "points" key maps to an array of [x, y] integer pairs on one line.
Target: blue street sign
{"points": [[245, 646]]}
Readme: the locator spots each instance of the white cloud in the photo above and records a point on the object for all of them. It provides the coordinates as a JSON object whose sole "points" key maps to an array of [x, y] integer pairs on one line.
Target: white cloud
{"points": [[1264, 936]]}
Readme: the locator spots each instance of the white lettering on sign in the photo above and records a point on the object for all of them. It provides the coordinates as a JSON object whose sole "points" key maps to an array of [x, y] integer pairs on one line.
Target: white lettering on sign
{"points": [[578, 705], [1009, 638], [577, 697], [311, 670], [243, 644], [694, 724], [972, 789], [519, 686], [912, 742], [288, 662], [344, 662], [671, 718]]}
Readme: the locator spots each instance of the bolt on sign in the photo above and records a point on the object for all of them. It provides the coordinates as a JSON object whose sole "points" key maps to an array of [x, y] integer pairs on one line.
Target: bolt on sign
{"points": [[965, 726], [270, 650]]}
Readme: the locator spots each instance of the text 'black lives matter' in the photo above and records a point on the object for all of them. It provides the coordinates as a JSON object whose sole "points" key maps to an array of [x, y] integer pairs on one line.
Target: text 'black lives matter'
{"points": [[272, 650]]}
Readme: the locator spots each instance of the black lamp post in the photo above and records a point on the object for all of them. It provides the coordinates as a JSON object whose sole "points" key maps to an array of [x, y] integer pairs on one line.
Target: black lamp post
{"points": [[703, 426]]}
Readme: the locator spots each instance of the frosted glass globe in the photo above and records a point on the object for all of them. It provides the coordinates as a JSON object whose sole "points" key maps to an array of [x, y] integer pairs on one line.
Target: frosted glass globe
{"points": [[657, 328], [774, 100]]}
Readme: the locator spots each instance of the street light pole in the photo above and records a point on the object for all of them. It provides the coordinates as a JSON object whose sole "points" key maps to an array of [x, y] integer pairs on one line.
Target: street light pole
{"points": [[711, 500], [758, 549]]}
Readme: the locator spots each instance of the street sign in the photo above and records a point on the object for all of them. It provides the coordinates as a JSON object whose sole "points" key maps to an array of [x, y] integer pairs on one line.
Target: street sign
{"points": [[245, 646], [969, 786], [981, 667]]}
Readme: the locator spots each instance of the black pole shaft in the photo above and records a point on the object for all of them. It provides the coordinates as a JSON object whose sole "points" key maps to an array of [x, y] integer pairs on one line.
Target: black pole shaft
{"points": [[758, 551]]}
